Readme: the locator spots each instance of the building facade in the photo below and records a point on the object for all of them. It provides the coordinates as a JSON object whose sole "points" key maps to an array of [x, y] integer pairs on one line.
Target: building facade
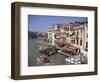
{"points": [[75, 33]]}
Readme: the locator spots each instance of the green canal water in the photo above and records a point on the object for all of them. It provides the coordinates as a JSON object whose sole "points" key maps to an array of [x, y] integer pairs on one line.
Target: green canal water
{"points": [[33, 54]]}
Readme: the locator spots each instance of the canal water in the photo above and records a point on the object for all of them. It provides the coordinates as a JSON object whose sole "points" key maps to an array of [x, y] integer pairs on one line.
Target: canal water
{"points": [[33, 54]]}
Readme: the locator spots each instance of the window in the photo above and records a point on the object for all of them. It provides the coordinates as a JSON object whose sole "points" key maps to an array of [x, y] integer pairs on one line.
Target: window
{"points": [[74, 41], [86, 44], [77, 41], [81, 33], [87, 35], [67, 34], [81, 42], [77, 33]]}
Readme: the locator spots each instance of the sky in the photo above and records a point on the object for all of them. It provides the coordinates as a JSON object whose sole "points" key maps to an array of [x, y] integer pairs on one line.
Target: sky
{"points": [[40, 23]]}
